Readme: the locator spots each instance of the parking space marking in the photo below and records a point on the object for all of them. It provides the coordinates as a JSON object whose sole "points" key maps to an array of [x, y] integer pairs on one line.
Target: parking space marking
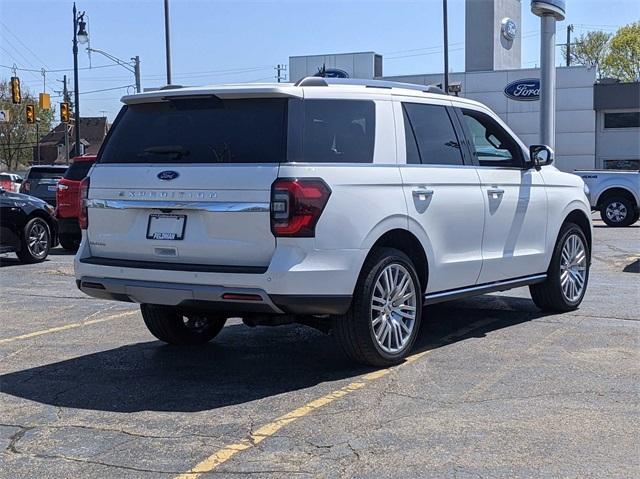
{"points": [[256, 437], [68, 326]]}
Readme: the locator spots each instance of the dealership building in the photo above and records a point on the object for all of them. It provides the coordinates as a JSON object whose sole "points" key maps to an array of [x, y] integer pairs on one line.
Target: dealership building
{"points": [[597, 123]]}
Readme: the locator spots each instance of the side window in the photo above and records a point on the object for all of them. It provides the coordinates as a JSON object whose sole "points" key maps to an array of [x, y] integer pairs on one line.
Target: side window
{"points": [[493, 145], [339, 131], [433, 132]]}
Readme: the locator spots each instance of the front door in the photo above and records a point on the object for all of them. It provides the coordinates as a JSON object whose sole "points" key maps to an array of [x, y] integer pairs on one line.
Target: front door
{"points": [[515, 201], [443, 194]]}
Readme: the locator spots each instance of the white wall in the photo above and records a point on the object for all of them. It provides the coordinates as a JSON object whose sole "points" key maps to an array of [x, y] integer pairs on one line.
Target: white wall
{"points": [[575, 116]]}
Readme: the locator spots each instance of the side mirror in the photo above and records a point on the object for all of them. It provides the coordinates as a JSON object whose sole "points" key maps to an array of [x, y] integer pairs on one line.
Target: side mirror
{"points": [[540, 155], [18, 180]]}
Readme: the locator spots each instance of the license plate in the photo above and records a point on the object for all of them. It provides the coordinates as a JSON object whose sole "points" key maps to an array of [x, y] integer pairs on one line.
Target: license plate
{"points": [[52, 187], [166, 227]]}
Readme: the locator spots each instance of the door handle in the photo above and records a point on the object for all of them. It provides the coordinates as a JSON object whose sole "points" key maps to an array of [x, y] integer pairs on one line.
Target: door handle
{"points": [[495, 191], [422, 192]]}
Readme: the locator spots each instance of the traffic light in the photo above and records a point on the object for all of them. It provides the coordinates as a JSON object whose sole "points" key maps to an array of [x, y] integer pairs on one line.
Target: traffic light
{"points": [[64, 112], [16, 97], [31, 113]]}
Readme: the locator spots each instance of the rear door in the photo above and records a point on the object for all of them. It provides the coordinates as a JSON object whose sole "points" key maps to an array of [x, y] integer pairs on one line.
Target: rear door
{"points": [[188, 181], [442, 193]]}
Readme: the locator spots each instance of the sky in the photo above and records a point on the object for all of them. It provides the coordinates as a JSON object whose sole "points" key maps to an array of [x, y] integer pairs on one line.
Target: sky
{"points": [[242, 41]]}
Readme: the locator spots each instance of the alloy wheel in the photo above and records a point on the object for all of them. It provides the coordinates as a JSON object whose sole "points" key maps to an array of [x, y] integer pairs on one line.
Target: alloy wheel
{"points": [[573, 268], [38, 240], [616, 212], [393, 308]]}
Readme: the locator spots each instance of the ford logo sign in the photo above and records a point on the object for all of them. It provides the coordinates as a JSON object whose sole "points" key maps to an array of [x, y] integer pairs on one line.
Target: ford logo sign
{"points": [[527, 89], [168, 175]]}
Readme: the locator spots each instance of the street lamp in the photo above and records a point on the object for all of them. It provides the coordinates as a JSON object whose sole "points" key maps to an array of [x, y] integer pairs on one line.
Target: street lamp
{"points": [[80, 35]]}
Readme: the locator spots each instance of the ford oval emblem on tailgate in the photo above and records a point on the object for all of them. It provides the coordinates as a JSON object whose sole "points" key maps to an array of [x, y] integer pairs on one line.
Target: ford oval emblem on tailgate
{"points": [[168, 175]]}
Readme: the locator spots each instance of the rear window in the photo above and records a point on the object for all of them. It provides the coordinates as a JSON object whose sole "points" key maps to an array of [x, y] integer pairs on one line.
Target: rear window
{"points": [[78, 170], [40, 173], [200, 130]]}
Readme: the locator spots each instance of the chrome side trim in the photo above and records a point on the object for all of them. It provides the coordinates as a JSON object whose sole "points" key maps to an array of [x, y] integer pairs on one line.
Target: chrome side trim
{"points": [[211, 206], [441, 296]]}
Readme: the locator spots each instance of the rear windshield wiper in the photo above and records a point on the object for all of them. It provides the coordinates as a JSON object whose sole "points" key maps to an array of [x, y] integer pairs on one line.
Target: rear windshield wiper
{"points": [[176, 150]]}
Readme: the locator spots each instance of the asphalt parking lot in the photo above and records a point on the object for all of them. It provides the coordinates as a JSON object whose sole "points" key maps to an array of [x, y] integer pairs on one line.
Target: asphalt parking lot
{"points": [[494, 389]]}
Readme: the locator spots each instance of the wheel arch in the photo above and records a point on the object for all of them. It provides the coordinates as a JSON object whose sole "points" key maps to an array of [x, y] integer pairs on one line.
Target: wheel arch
{"points": [[580, 218], [409, 244], [616, 191]]}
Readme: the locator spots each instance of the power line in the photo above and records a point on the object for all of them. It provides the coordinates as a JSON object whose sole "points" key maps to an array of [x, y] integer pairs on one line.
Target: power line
{"points": [[23, 44]]}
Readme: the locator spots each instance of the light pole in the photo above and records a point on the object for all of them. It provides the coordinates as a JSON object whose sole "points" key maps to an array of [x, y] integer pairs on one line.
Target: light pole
{"points": [[38, 138], [167, 40], [446, 46], [80, 35], [135, 68], [549, 12]]}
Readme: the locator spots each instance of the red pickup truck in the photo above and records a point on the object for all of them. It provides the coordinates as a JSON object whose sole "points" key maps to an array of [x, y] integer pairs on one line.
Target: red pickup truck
{"points": [[68, 202]]}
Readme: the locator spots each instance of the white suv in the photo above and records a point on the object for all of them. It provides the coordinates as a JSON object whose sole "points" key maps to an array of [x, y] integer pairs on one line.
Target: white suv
{"points": [[341, 204]]}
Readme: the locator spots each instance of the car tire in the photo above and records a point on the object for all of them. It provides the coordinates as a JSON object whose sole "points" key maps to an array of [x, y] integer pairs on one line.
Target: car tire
{"points": [[70, 242], [618, 211], [36, 241], [377, 331], [170, 325], [568, 273]]}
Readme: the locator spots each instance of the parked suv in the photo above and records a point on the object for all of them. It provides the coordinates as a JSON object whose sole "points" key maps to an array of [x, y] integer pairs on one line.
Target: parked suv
{"points": [[68, 201], [341, 204], [42, 182]]}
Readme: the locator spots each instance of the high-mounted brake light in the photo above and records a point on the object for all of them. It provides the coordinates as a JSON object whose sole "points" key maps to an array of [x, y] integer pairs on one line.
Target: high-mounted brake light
{"points": [[83, 217], [296, 206]]}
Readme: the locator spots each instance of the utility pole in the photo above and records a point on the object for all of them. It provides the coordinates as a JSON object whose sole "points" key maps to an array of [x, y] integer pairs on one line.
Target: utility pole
{"points": [[136, 72], [446, 46], [569, 30], [167, 40], [280, 69]]}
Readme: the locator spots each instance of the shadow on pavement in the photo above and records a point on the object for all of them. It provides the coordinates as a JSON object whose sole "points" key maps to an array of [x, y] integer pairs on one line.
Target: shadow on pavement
{"points": [[241, 365]]}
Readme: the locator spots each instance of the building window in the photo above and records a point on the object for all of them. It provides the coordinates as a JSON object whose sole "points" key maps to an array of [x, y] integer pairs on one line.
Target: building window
{"points": [[629, 119], [622, 164]]}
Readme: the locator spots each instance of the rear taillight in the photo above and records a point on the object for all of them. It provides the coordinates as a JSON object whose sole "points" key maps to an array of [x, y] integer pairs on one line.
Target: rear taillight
{"points": [[62, 187], [83, 217], [296, 206]]}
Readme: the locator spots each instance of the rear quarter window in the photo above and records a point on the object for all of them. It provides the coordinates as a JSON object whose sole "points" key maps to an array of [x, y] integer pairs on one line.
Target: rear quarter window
{"points": [[338, 131]]}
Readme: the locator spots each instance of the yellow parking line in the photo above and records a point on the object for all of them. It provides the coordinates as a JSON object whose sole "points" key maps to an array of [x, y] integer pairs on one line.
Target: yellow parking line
{"points": [[227, 452], [67, 326]]}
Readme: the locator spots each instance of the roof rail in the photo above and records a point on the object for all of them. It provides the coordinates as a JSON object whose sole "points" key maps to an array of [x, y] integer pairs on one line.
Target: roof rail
{"points": [[320, 81]]}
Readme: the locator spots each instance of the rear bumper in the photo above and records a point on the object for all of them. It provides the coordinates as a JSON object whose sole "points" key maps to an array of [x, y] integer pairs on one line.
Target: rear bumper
{"points": [[216, 298], [297, 280]]}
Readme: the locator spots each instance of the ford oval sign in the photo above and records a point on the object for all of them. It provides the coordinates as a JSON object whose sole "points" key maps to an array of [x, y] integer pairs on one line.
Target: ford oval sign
{"points": [[527, 89], [168, 175]]}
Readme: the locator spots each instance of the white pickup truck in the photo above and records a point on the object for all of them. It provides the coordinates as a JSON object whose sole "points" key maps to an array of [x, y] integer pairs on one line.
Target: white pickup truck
{"points": [[615, 194]]}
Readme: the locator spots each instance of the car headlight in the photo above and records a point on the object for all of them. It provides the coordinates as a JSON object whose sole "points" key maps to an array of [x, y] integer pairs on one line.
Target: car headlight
{"points": [[49, 208], [586, 189]]}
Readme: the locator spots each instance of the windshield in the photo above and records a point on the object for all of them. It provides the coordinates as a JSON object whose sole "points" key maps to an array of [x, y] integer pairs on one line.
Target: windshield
{"points": [[200, 130], [78, 170]]}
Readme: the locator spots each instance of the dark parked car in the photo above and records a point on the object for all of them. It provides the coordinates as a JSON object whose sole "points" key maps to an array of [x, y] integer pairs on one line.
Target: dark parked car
{"points": [[42, 182], [27, 226], [68, 201]]}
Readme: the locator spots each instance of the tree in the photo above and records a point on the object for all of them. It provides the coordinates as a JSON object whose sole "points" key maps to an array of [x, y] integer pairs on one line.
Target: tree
{"points": [[590, 49], [17, 138], [623, 60]]}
